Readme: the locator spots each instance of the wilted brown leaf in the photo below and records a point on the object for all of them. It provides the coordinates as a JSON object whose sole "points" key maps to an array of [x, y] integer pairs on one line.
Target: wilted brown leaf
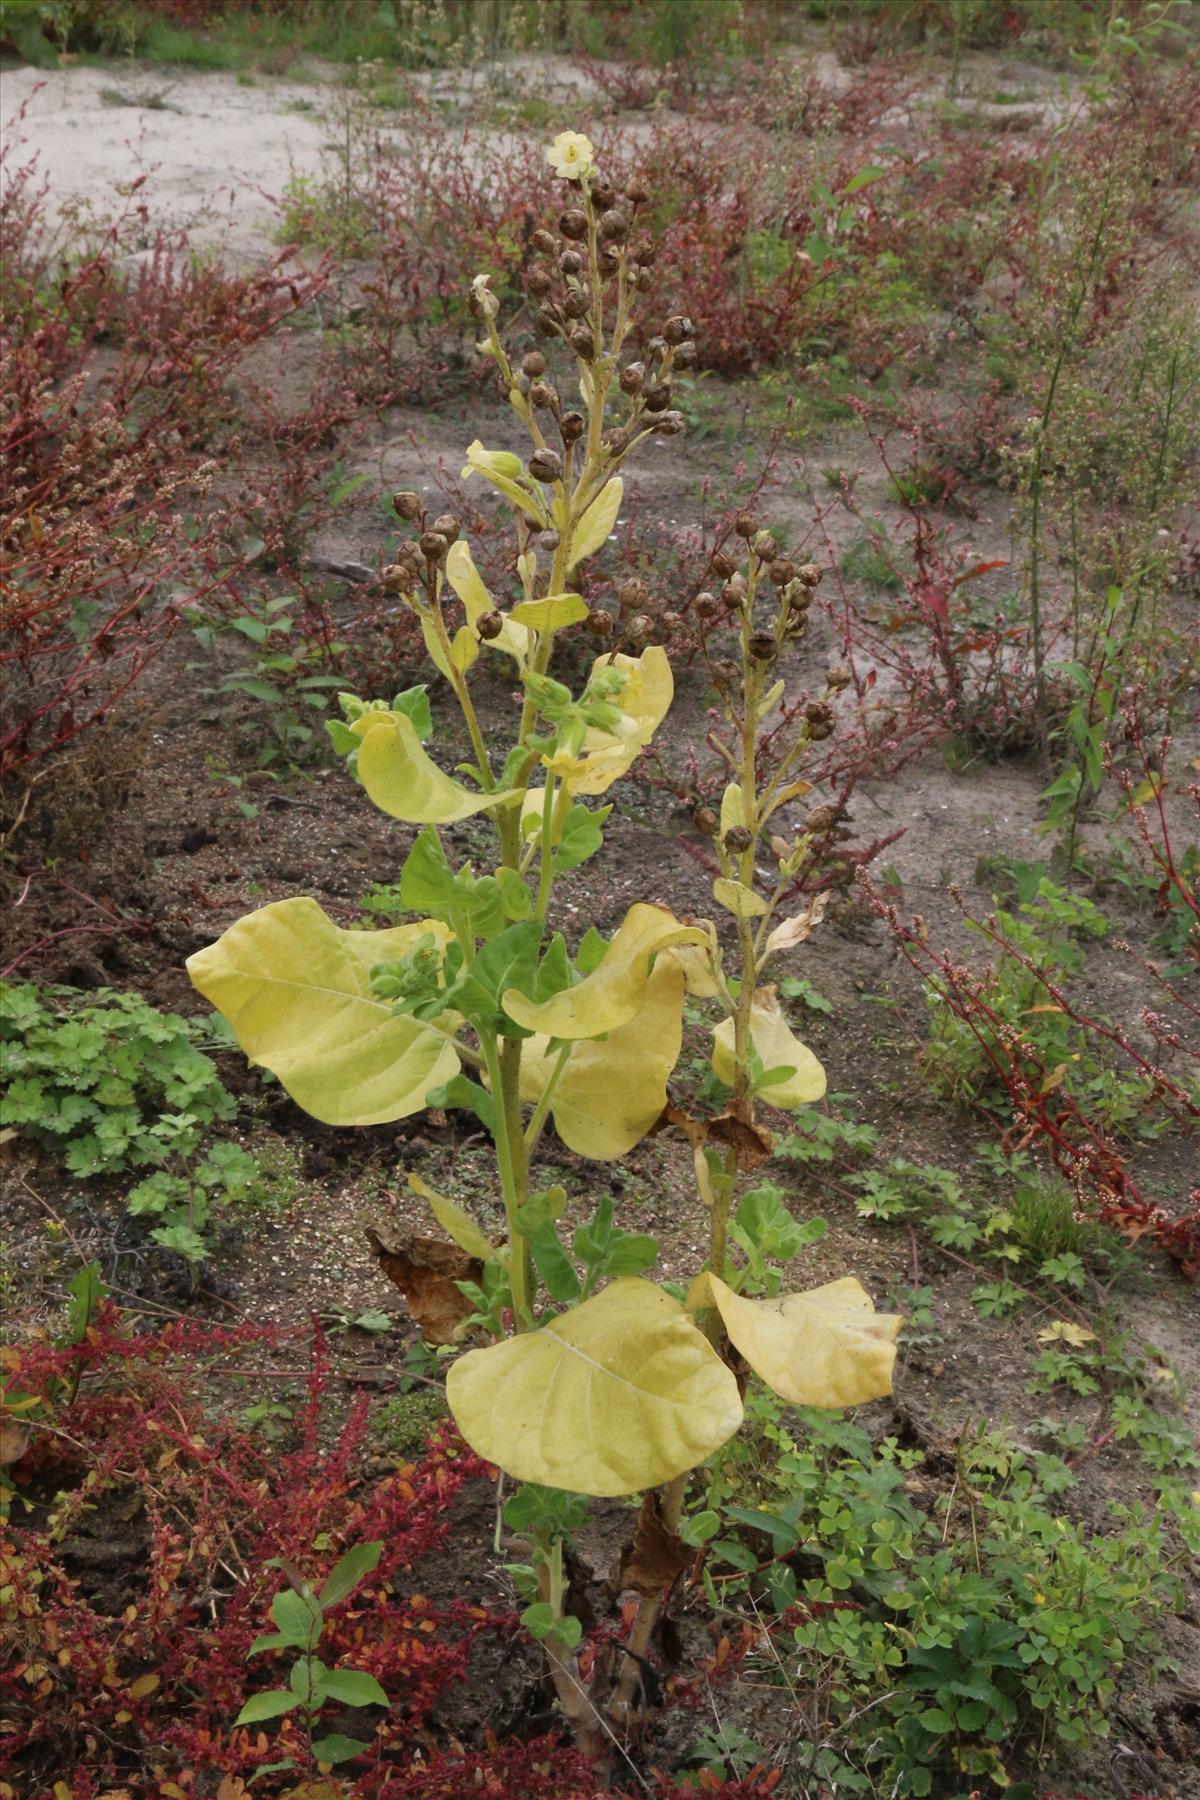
{"points": [[657, 1555], [426, 1270]]}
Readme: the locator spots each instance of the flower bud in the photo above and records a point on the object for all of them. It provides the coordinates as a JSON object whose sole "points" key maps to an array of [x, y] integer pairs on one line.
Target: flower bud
{"points": [[539, 280], [572, 426], [737, 840], [600, 623], [433, 545], [489, 625], [745, 525], [658, 397], [782, 571], [638, 190], [570, 262], [613, 226], [578, 303], [764, 546], [810, 575], [670, 424], [573, 224], [763, 647], [838, 677], [533, 364], [632, 377], [687, 356], [543, 393], [546, 465], [407, 504], [582, 343], [544, 241], [447, 526]]}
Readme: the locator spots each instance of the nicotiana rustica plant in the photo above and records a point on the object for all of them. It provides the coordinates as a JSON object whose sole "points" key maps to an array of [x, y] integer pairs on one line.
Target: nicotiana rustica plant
{"points": [[597, 1380]]}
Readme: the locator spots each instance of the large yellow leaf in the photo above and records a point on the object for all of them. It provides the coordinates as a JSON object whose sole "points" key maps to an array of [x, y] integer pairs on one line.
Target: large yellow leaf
{"points": [[455, 1221], [403, 781], [464, 648], [614, 1089], [552, 613], [616, 989], [620, 1394], [296, 991], [826, 1347], [468, 584], [779, 1049], [503, 469], [597, 522], [644, 702]]}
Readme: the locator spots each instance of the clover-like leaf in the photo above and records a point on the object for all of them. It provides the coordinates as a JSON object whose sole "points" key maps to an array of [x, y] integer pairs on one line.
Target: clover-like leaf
{"points": [[778, 1048], [616, 990], [406, 783], [296, 992], [614, 1088], [597, 522], [826, 1347], [620, 1394]]}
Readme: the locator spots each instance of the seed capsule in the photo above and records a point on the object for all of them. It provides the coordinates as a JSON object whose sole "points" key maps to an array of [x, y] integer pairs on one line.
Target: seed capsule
{"points": [[638, 191], [533, 364], [782, 571], [687, 356], [539, 280], [706, 821], [543, 393], [820, 820], [764, 546], [582, 343], [657, 347], [726, 674], [489, 625], [633, 377], [571, 427], [614, 226], [745, 525], [658, 397], [407, 504], [706, 605], [763, 647], [643, 281], [573, 224], [578, 303], [810, 575], [737, 840], [570, 262], [838, 677], [669, 623], [677, 329], [396, 578], [546, 465], [639, 628], [723, 565], [604, 195], [631, 593], [818, 712], [433, 545], [644, 251], [547, 322], [670, 424], [447, 526], [600, 624]]}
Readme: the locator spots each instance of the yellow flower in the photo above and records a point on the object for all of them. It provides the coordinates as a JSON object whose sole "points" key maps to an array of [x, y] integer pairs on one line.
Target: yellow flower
{"points": [[570, 155]]}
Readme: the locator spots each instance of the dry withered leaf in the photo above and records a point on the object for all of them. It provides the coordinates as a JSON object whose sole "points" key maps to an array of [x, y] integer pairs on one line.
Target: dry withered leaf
{"points": [[657, 1555], [425, 1270], [753, 1144]]}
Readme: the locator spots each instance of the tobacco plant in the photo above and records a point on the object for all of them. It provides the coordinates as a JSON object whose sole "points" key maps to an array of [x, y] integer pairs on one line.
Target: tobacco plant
{"points": [[597, 1380]]}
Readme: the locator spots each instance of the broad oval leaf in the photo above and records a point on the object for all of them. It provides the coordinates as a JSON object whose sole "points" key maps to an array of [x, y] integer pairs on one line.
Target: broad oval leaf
{"points": [[645, 702], [552, 613], [597, 522], [296, 992], [778, 1048], [737, 898], [614, 1089], [617, 1395], [406, 783], [826, 1347], [616, 989]]}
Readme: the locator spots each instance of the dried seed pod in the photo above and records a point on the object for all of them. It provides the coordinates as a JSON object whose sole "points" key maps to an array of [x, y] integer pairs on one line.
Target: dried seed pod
{"points": [[726, 675], [670, 622], [643, 281], [604, 195], [549, 542], [818, 712], [407, 504], [810, 575], [644, 251], [782, 571], [687, 356], [582, 343], [656, 348], [539, 280], [396, 578], [544, 241], [533, 364], [737, 840], [678, 328], [799, 599], [733, 594], [547, 322], [657, 398], [600, 624], [613, 226], [706, 605], [764, 546], [573, 224], [433, 546], [632, 593], [572, 426], [818, 733], [489, 625], [447, 526], [670, 424], [638, 190], [820, 820], [608, 260], [633, 377], [763, 647], [838, 677], [546, 465], [578, 303], [639, 628], [723, 564], [615, 440], [570, 262], [543, 393], [745, 525]]}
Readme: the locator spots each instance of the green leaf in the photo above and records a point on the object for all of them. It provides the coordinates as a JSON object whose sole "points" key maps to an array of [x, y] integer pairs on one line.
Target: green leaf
{"points": [[335, 1748], [580, 838], [271, 1705], [554, 1265], [297, 1616], [86, 1291], [348, 1571], [271, 1640], [507, 962], [591, 951], [352, 1687], [864, 178], [414, 704], [935, 1720], [468, 1094]]}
